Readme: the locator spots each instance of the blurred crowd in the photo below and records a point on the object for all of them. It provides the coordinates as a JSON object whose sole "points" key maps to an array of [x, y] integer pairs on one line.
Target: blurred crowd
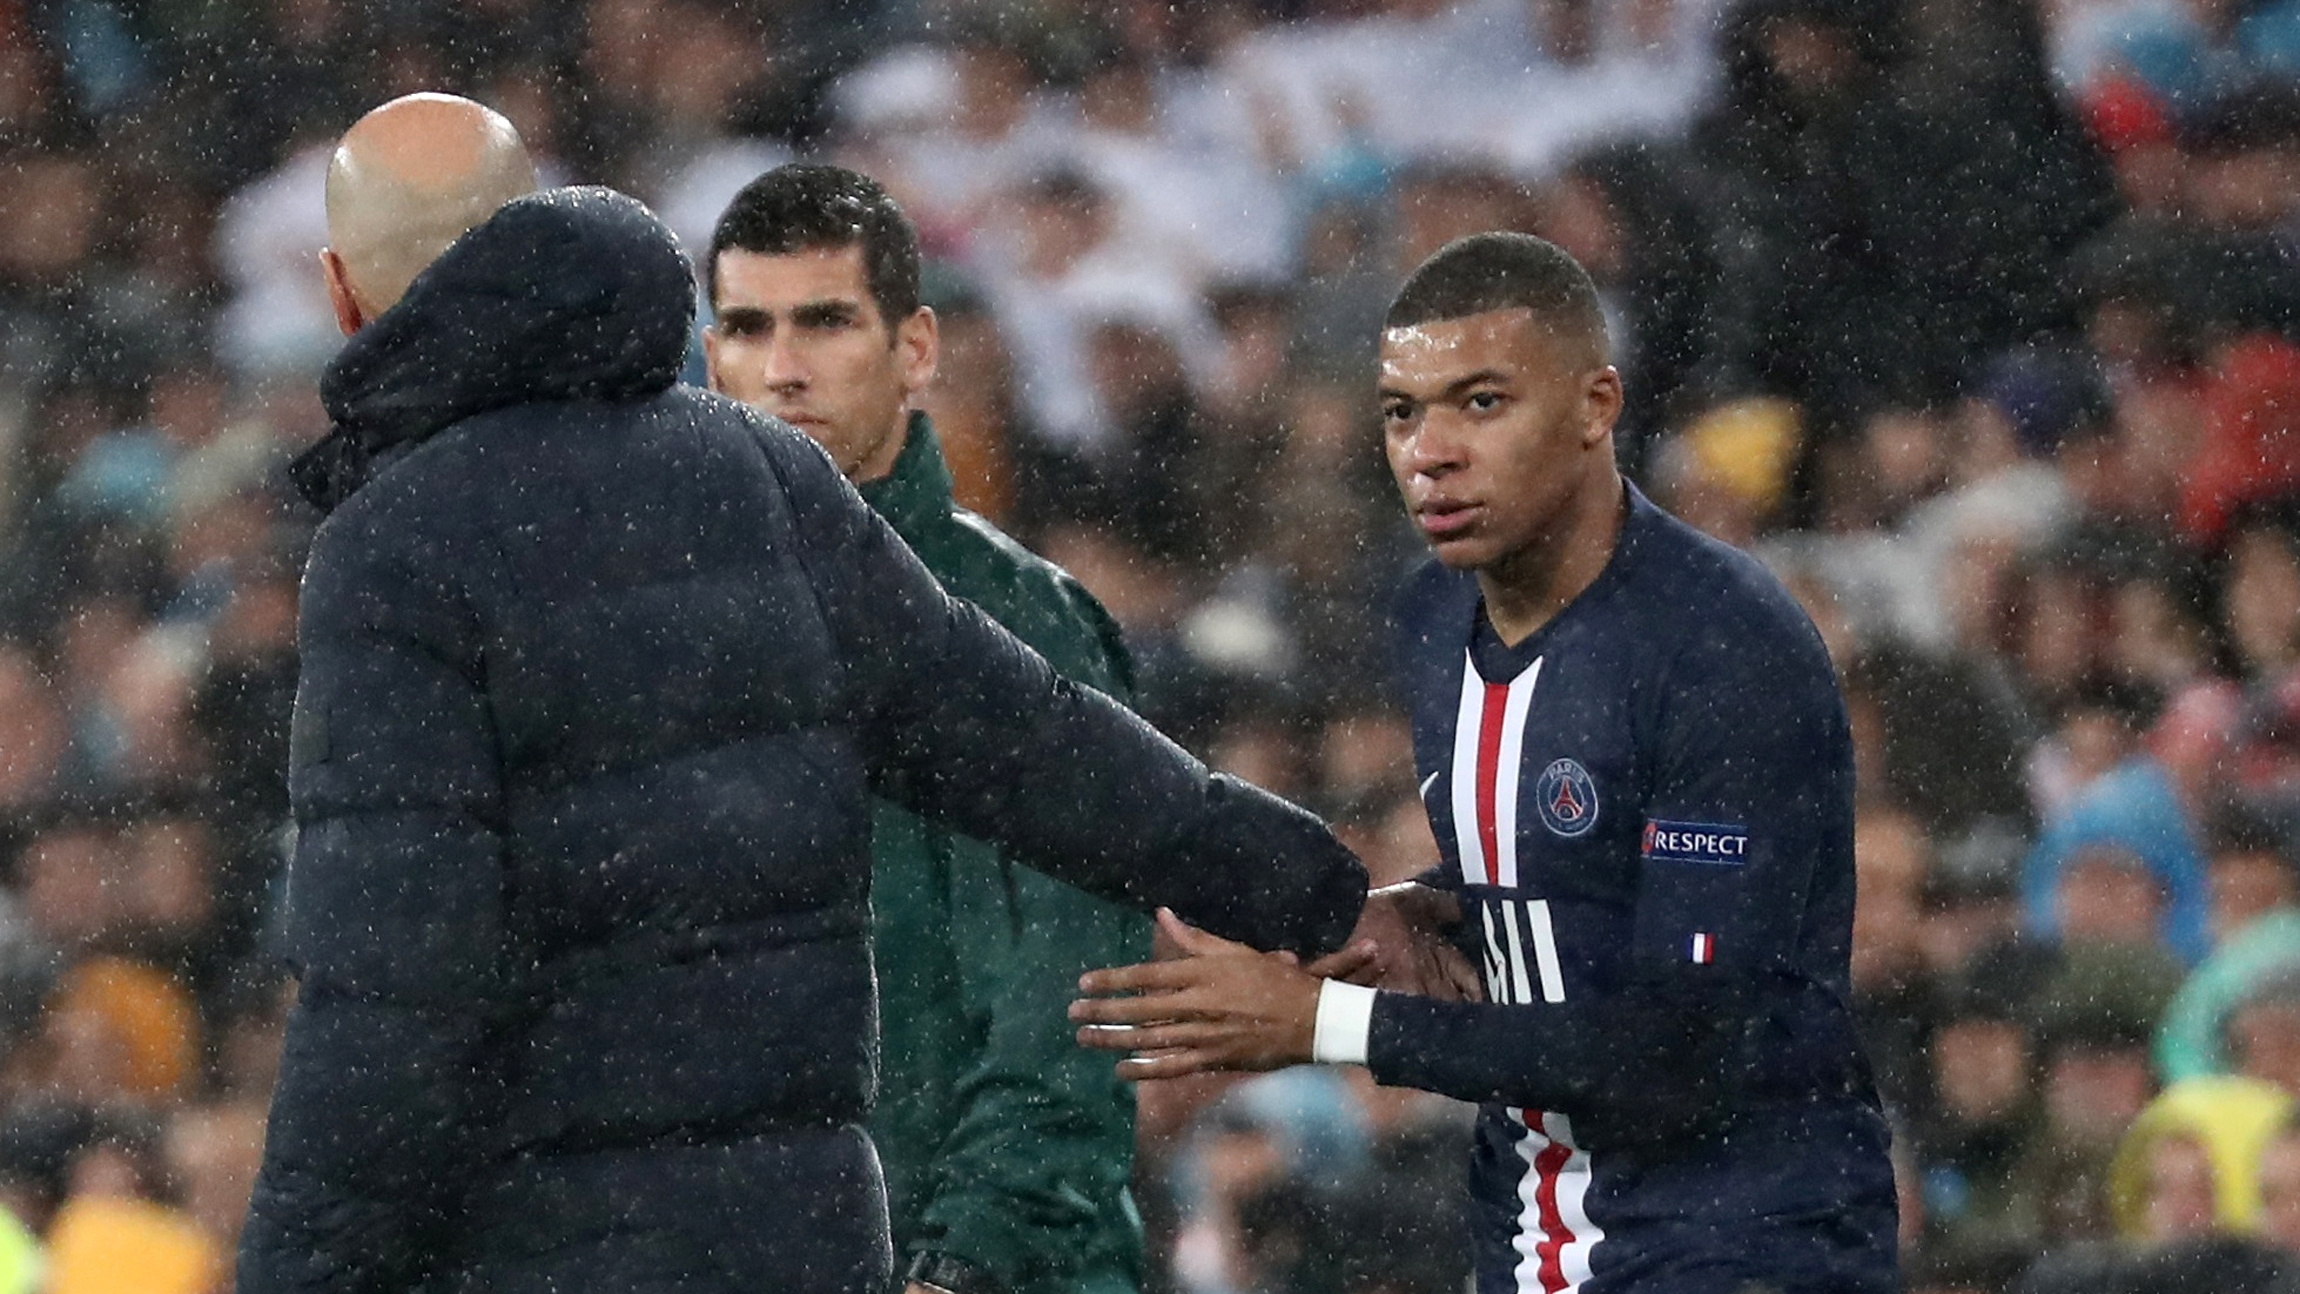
{"points": [[1979, 319]]}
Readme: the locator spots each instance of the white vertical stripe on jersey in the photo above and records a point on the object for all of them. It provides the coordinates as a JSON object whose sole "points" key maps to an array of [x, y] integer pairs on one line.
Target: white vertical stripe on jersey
{"points": [[1496, 988], [1518, 984], [1573, 1204], [1506, 772], [1529, 1232], [1553, 1253], [1544, 951], [1475, 868]]}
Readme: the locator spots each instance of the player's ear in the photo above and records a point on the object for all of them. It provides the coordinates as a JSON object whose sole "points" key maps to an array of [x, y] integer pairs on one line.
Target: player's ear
{"points": [[349, 317], [1601, 403], [918, 347], [711, 358]]}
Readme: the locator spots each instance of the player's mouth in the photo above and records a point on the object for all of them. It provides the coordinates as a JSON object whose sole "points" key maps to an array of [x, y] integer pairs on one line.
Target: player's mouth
{"points": [[1446, 519]]}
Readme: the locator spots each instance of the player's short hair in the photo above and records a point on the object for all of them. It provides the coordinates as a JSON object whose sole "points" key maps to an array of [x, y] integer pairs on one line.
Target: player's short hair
{"points": [[806, 206], [1501, 271]]}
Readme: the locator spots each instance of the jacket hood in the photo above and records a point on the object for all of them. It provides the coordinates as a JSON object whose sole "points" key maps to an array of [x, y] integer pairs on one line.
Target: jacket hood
{"points": [[2134, 808], [2232, 1118], [577, 293]]}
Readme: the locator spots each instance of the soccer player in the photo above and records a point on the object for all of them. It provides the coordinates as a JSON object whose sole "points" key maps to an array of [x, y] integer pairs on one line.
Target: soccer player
{"points": [[1640, 776], [1007, 1150]]}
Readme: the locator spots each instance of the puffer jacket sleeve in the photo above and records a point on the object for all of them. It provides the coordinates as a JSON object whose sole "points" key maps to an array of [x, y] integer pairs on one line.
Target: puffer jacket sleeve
{"points": [[968, 726], [393, 917]]}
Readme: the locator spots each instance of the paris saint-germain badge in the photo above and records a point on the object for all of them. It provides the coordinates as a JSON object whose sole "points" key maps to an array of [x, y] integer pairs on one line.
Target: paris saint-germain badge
{"points": [[1567, 797]]}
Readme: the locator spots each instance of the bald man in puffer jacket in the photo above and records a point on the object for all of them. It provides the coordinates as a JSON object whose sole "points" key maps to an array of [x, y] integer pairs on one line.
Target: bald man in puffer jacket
{"points": [[598, 674]]}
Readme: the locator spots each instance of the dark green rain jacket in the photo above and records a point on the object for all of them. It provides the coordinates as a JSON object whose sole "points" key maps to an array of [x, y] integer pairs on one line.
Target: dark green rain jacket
{"points": [[1005, 1143]]}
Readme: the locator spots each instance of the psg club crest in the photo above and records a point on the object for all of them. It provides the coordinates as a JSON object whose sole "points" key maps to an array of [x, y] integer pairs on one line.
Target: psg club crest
{"points": [[1567, 798]]}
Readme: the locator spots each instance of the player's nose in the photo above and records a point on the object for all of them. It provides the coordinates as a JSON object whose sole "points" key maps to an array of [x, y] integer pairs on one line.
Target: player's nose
{"points": [[1435, 450], [783, 366]]}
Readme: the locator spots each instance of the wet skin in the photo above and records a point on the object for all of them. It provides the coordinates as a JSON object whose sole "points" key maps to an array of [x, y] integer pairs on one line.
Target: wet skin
{"points": [[799, 336], [1498, 428]]}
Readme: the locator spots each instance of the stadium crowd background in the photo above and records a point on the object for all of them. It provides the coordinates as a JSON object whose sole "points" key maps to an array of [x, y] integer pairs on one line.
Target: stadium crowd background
{"points": [[1977, 318]]}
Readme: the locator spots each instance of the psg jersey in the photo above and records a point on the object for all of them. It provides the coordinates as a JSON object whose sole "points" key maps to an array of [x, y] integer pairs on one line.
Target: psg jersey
{"points": [[1646, 808]]}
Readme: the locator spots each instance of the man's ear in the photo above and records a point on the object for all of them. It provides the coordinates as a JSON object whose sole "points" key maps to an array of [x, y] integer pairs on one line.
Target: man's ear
{"points": [[1601, 398], [918, 347], [711, 358], [348, 315]]}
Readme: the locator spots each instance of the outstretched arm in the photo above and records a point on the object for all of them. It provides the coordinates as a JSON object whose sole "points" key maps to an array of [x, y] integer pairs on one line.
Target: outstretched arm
{"points": [[967, 725]]}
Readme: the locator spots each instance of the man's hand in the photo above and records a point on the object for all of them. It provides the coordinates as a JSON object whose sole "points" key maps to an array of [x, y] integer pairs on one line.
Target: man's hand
{"points": [[1219, 1006], [1405, 928]]}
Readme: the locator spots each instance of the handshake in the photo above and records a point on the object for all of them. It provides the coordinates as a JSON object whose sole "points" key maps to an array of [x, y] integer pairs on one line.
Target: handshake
{"points": [[1209, 1003]]}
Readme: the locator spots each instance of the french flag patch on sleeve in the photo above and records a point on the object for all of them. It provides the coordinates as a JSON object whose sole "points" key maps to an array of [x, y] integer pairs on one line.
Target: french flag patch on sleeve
{"points": [[1703, 949]]}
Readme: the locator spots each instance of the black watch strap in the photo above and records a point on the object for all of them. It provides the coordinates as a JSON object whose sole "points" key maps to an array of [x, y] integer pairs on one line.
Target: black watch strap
{"points": [[952, 1275]]}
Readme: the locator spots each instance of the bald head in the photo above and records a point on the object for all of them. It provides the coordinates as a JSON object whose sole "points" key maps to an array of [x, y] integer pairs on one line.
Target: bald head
{"points": [[407, 180]]}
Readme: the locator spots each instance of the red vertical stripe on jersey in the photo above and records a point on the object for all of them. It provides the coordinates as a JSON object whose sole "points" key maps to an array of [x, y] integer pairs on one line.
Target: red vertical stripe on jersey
{"points": [[1554, 1233], [1489, 774]]}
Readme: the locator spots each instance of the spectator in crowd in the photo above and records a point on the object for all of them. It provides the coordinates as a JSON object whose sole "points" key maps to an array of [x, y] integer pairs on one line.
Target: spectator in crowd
{"points": [[2136, 822], [2188, 1167], [2256, 937], [2093, 1058], [2279, 1176]]}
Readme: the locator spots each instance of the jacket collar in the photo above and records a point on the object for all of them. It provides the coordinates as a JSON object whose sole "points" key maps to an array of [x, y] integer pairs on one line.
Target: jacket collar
{"points": [[917, 493], [577, 293]]}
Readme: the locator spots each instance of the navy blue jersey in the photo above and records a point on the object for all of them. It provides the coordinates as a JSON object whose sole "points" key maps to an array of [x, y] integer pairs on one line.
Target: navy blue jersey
{"points": [[1647, 810]]}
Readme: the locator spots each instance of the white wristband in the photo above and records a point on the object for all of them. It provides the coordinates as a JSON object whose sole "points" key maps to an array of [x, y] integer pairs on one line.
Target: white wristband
{"points": [[1345, 1017]]}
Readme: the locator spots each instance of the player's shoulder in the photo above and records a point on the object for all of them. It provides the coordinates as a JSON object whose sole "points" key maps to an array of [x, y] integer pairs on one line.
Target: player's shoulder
{"points": [[983, 557], [981, 539], [1040, 602], [1720, 612]]}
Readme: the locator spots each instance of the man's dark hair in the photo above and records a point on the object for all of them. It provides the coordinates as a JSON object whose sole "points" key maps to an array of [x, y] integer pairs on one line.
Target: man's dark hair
{"points": [[806, 206], [1500, 271]]}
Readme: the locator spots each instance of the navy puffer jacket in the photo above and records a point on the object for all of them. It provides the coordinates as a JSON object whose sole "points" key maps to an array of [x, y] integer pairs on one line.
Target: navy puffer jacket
{"points": [[598, 672]]}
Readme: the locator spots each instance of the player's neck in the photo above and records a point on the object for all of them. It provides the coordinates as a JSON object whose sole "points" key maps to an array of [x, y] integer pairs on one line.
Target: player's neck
{"points": [[1527, 589]]}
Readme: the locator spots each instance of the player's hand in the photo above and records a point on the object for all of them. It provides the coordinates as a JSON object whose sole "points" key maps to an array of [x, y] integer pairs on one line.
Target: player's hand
{"points": [[1219, 1006], [1405, 925]]}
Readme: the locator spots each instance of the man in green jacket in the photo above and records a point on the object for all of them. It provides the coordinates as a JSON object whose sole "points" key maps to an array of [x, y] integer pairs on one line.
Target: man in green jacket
{"points": [[1007, 1147]]}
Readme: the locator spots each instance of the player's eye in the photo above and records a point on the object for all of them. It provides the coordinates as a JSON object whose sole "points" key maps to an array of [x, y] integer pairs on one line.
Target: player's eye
{"points": [[828, 319], [1399, 411], [1483, 402]]}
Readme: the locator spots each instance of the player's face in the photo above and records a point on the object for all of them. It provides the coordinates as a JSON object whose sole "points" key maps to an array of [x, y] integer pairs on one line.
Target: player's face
{"points": [[799, 336], [1493, 425]]}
